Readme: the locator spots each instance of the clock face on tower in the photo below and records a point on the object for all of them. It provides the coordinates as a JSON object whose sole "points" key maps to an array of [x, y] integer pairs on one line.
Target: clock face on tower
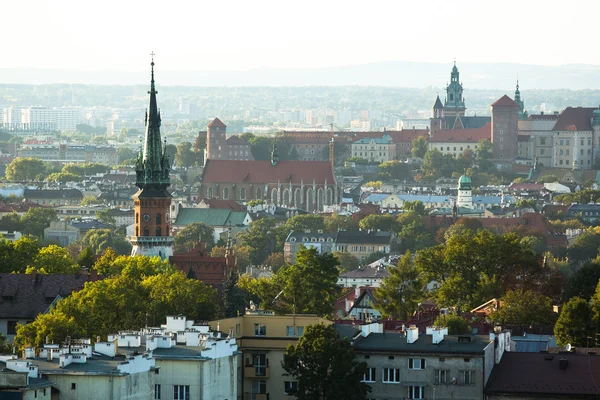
{"points": [[146, 217]]}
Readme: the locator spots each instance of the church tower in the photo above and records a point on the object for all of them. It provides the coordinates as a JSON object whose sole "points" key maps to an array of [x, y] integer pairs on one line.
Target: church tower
{"points": [[436, 122], [465, 192], [522, 113], [455, 103], [216, 132], [152, 236]]}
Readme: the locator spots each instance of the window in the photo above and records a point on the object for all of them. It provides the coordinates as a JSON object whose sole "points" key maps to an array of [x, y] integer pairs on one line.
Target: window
{"points": [[260, 330], [73, 386], [467, 377], [581, 151], [290, 331], [299, 330], [542, 151], [181, 392], [259, 362], [391, 375], [226, 194], [441, 376], [158, 219], [560, 162], [543, 141], [259, 387], [582, 142], [560, 142], [243, 193], [237, 329], [290, 387], [209, 193], [11, 327], [158, 231], [156, 392], [561, 152], [566, 142], [415, 392], [416, 363], [567, 152], [369, 375]]}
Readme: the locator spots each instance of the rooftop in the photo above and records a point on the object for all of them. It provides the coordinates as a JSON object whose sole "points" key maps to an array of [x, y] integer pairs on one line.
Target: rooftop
{"points": [[397, 343]]}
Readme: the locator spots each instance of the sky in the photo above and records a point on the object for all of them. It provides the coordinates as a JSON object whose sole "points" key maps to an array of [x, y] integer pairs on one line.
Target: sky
{"points": [[241, 35]]}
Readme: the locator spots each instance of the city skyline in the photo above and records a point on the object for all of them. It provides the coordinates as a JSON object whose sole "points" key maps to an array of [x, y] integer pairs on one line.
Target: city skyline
{"points": [[241, 35]]}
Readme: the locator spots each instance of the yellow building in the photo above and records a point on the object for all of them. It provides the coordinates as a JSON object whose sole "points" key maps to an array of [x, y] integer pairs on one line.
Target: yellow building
{"points": [[263, 337]]}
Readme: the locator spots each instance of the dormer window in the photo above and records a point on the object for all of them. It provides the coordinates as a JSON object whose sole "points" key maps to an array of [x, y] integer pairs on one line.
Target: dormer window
{"points": [[292, 239], [305, 239]]}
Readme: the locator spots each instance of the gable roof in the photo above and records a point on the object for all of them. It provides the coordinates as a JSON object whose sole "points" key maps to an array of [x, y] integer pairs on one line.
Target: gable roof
{"points": [[222, 204], [505, 101], [52, 194], [210, 217], [235, 140], [262, 172], [575, 119], [216, 122], [371, 237], [467, 135]]}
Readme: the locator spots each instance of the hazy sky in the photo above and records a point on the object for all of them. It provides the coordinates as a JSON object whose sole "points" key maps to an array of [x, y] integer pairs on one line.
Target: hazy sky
{"points": [[232, 34]]}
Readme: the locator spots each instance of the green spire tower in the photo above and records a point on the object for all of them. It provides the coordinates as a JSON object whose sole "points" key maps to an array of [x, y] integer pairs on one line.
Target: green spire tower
{"points": [[522, 113]]}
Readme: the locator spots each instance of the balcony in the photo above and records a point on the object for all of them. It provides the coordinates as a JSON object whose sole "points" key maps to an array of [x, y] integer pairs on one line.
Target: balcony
{"points": [[256, 396], [256, 371]]}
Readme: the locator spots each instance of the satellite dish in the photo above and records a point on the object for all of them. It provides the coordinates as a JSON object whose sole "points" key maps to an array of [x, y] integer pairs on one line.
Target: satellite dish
{"points": [[568, 347]]}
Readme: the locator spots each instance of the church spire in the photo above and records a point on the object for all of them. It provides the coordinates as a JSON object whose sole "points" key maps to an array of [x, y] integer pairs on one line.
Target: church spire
{"points": [[152, 167], [274, 154]]}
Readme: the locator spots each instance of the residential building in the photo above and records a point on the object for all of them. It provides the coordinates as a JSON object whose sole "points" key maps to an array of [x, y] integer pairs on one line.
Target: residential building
{"points": [[262, 338], [323, 242], [368, 276], [21, 386], [456, 141], [53, 197], [374, 149], [384, 200], [24, 296], [539, 143], [526, 376], [221, 220], [71, 153], [588, 212], [362, 243], [436, 365], [66, 232]]}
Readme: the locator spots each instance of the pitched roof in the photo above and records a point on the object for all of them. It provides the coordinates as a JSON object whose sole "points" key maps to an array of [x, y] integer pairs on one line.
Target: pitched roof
{"points": [[505, 101], [24, 296], [235, 140], [381, 140], [216, 122], [222, 204], [467, 122], [469, 135], [438, 103], [371, 237], [369, 271], [210, 217], [52, 194], [539, 374], [397, 343], [575, 119], [262, 172]]}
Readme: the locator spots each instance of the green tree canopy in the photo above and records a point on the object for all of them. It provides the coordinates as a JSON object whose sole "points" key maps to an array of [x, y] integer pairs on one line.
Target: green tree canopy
{"points": [[401, 292], [419, 147], [36, 220], [582, 283], [334, 223], [383, 222], [456, 324], [54, 259], [574, 325], [325, 366], [25, 169], [185, 156], [233, 297], [99, 240], [393, 170], [347, 261], [525, 307], [188, 237], [262, 238]]}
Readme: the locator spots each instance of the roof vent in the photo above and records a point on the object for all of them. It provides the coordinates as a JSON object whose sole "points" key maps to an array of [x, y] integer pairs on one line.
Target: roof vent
{"points": [[563, 363]]}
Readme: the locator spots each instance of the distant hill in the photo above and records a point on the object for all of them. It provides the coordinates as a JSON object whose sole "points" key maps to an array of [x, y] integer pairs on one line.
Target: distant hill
{"points": [[392, 74]]}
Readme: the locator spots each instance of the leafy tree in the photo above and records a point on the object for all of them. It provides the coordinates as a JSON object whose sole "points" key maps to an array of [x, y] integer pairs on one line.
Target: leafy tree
{"points": [[325, 366], [484, 155], [242, 256], [562, 226], [419, 147], [383, 222], [86, 258], [548, 179], [63, 177], [275, 261], [200, 142], [334, 223], [525, 307], [412, 232], [185, 157], [582, 283], [347, 261], [99, 240], [25, 169], [55, 327], [262, 238], [456, 324], [104, 216], [11, 222], [374, 256], [36, 220], [376, 185], [20, 255], [416, 206], [233, 296], [218, 251], [90, 200], [526, 203], [574, 323], [393, 170], [585, 247], [303, 222], [262, 291], [54, 259], [401, 292], [188, 237], [125, 153]]}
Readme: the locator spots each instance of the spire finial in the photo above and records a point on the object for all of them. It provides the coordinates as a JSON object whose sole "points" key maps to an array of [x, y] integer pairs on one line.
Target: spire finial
{"points": [[152, 69]]}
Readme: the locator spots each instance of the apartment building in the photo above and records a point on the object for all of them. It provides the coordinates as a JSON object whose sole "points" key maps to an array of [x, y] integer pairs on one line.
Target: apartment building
{"points": [[362, 243], [262, 338]]}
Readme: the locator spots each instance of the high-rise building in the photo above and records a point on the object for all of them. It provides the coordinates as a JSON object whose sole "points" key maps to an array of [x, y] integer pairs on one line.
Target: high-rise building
{"points": [[152, 201]]}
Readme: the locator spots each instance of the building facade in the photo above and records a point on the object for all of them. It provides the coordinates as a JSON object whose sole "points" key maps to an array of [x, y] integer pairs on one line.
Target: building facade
{"points": [[323, 242], [219, 147], [374, 149]]}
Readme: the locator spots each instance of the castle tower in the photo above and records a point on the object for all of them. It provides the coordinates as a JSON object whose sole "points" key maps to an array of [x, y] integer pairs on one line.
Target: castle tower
{"points": [[436, 121], [215, 140], [455, 103], [465, 192], [596, 134], [505, 121], [152, 236]]}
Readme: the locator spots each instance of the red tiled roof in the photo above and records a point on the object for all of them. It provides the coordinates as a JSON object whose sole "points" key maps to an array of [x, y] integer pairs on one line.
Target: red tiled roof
{"points": [[472, 135], [526, 186], [216, 122], [575, 119], [262, 172], [504, 101]]}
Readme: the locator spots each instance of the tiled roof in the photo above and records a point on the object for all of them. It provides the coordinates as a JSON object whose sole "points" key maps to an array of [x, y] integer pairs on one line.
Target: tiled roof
{"points": [[216, 122], [210, 217], [236, 141], [526, 186], [505, 101], [262, 172], [52, 194], [222, 204], [575, 119], [543, 117], [372, 237], [381, 140], [468, 122], [367, 272], [469, 135], [33, 293], [539, 375]]}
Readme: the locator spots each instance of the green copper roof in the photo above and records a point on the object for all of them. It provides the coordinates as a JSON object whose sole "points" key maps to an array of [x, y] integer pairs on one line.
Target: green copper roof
{"points": [[210, 216], [464, 179]]}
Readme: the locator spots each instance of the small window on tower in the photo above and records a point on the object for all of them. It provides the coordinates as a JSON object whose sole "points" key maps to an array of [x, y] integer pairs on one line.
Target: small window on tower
{"points": [[158, 219], [158, 231]]}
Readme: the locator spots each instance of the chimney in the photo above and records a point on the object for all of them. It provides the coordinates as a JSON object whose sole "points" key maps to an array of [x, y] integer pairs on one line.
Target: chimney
{"points": [[563, 363], [412, 334], [437, 334]]}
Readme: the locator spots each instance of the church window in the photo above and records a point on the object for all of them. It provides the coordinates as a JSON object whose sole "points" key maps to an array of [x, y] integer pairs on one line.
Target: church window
{"points": [[258, 193], [451, 96], [158, 218], [209, 193], [243, 193], [158, 231], [146, 231], [226, 194]]}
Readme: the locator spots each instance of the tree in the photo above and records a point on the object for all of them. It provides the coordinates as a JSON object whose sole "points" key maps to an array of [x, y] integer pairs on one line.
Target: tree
{"points": [[218, 251], [200, 142], [374, 256], [382, 222], [574, 323], [347, 261], [525, 307], [416, 206], [484, 155], [195, 232], [20, 255], [54, 327], [393, 170], [334, 223], [11, 222], [582, 283], [433, 163], [262, 238], [25, 169], [90, 200], [99, 240], [275, 261], [325, 366], [303, 222], [86, 258], [233, 296], [412, 232], [401, 292], [585, 247], [54, 259], [375, 185], [456, 324], [548, 178], [185, 157], [104, 216], [36, 220], [419, 147], [64, 177]]}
